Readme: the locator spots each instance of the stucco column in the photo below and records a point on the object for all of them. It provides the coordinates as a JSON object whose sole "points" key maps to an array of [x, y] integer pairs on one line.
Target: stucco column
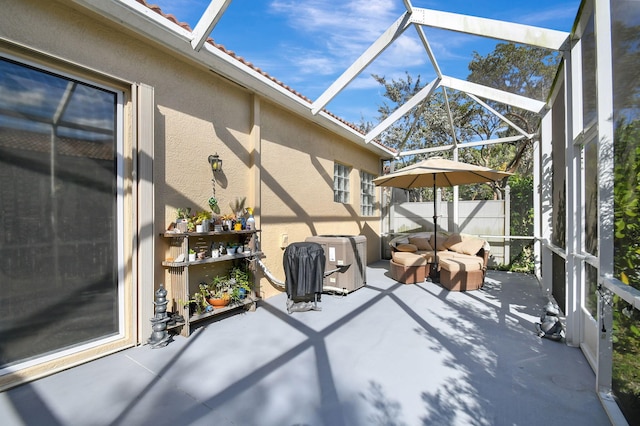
{"points": [[255, 164]]}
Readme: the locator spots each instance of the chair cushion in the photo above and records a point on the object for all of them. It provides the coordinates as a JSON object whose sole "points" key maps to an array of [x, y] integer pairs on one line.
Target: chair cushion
{"points": [[472, 246], [453, 241], [459, 263], [441, 240], [399, 240], [408, 259], [465, 244], [407, 248], [441, 255], [422, 243]]}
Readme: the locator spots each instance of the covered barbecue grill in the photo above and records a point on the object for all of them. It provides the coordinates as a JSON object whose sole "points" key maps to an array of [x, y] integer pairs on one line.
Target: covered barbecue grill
{"points": [[304, 264]]}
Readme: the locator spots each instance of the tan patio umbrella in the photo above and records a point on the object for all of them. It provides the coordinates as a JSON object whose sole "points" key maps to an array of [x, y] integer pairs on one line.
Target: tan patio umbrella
{"points": [[439, 172]]}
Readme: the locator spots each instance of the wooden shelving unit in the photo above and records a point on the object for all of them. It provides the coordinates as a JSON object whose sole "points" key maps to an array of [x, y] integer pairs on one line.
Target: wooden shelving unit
{"points": [[181, 284]]}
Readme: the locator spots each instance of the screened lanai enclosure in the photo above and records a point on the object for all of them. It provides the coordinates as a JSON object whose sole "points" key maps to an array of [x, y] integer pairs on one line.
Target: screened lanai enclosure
{"points": [[98, 134]]}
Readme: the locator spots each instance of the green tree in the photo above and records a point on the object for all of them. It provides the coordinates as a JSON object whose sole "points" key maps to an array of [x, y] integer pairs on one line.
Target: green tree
{"points": [[428, 123], [626, 321], [521, 221], [627, 202], [522, 70]]}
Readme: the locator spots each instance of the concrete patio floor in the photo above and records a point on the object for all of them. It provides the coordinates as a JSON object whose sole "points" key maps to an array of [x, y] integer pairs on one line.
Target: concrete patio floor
{"points": [[386, 354]]}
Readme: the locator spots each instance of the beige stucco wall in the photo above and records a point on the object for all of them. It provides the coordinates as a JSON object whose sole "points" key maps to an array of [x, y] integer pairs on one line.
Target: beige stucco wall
{"points": [[197, 114], [297, 186]]}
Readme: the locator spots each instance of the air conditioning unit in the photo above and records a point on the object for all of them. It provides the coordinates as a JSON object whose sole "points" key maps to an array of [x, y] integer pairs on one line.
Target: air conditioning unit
{"points": [[341, 250]]}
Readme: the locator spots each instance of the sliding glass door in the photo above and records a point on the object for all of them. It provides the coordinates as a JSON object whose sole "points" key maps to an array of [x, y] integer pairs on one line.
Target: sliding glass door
{"points": [[58, 224]]}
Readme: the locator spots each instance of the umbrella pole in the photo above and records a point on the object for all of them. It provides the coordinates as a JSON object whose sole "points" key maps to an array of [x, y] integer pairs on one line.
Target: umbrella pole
{"points": [[435, 275]]}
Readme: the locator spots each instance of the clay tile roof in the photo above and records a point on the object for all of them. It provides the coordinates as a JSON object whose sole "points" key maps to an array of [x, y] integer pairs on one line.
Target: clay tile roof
{"points": [[240, 59], [40, 142]]}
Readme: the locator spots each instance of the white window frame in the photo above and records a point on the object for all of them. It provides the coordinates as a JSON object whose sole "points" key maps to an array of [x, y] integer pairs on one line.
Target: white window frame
{"points": [[367, 194], [341, 183]]}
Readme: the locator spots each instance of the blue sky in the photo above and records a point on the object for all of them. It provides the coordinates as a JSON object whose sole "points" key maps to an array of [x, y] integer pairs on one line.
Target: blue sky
{"points": [[307, 44]]}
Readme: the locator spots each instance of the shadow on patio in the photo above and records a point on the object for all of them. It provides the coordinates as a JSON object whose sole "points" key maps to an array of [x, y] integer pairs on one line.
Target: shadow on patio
{"points": [[386, 354]]}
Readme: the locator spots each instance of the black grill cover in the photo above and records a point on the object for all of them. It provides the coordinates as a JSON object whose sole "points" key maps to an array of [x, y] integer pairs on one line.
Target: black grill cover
{"points": [[304, 269]]}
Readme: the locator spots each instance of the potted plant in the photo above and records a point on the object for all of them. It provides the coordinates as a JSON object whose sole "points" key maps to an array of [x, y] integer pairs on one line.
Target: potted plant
{"points": [[218, 292], [197, 303], [183, 216], [240, 283], [202, 254], [213, 205], [237, 207], [192, 255], [191, 226], [200, 218], [183, 213], [227, 221]]}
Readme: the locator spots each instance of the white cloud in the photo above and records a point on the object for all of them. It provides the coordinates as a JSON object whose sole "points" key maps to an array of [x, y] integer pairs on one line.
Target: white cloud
{"points": [[364, 82], [344, 30], [308, 63], [405, 51], [20, 92], [16, 98], [357, 19], [330, 36]]}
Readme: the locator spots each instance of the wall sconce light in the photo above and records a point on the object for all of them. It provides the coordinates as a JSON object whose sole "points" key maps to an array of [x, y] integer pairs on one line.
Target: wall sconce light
{"points": [[216, 162]]}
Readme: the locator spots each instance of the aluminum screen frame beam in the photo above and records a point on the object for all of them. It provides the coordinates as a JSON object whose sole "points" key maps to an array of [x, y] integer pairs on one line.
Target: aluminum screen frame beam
{"points": [[449, 147], [491, 28], [385, 40], [485, 92], [207, 22], [500, 116], [423, 94]]}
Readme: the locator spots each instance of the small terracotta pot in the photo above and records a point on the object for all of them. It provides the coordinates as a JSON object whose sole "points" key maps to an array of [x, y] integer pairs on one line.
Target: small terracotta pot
{"points": [[219, 303]]}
